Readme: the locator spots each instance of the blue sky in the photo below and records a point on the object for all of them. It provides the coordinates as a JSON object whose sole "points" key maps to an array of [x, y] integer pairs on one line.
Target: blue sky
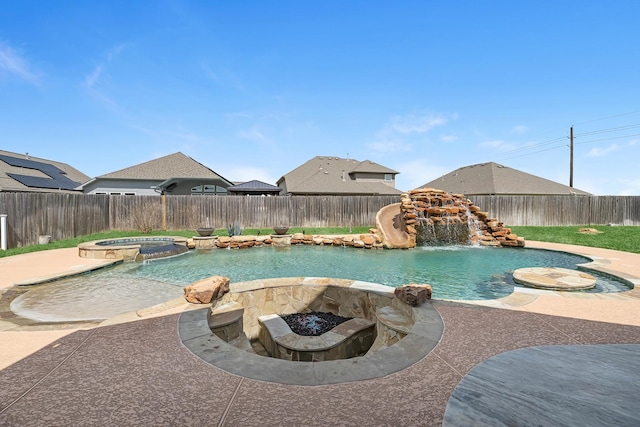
{"points": [[253, 89]]}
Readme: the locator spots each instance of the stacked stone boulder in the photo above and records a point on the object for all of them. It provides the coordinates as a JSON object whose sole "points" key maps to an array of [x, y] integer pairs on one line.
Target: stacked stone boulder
{"points": [[364, 241], [430, 206]]}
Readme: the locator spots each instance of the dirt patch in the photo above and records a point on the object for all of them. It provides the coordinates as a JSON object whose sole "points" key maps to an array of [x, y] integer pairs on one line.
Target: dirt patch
{"points": [[589, 231]]}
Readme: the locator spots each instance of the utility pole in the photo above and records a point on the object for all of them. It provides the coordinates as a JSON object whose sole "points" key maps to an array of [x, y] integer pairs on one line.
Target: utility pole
{"points": [[571, 157]]}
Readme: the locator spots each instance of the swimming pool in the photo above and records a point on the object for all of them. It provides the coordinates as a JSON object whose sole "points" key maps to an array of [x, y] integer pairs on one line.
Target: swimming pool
{"points": [[455, 272]]}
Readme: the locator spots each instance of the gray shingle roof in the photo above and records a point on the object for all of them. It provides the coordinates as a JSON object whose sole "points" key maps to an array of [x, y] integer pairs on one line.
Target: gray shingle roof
{"points": [[493, 178], [176, 165], [330, 175], [372, 167], [254, 185]]}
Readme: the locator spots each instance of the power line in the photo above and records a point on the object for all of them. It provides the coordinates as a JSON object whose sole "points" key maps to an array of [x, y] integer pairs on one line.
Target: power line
{"points": [[616, 129], [562, 138], [533, 146], [535, 152], [609, 117], [607, 139]]}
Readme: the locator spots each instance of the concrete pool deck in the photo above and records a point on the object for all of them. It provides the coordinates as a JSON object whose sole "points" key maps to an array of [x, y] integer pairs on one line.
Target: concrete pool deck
{"points": [[537, 357]]}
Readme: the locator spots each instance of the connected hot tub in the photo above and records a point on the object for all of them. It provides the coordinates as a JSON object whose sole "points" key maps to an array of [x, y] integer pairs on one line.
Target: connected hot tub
{"points": [[134, 248]]}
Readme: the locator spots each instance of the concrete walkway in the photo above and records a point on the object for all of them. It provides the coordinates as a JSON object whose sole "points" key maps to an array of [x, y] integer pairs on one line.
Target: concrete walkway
{"points": [[134, 369]]}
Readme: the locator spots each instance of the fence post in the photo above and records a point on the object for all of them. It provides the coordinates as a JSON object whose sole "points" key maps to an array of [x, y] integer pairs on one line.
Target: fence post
{"points": [[3, 232]]}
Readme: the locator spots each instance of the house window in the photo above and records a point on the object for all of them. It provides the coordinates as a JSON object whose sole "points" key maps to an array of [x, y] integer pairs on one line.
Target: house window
{"points": [[388, 177], [208, 189]]}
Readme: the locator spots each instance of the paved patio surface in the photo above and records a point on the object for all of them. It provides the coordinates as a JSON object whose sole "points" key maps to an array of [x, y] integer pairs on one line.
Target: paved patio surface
{"points": [[529, 359]]}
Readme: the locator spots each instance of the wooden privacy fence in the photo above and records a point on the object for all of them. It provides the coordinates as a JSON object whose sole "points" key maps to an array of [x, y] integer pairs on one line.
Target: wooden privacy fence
{"points": [[64, 216], [61, 216], [561, 210], [191, 212]]}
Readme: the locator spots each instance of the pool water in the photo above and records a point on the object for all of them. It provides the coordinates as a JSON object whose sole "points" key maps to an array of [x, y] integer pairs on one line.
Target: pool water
{"points": [[455, 272]]}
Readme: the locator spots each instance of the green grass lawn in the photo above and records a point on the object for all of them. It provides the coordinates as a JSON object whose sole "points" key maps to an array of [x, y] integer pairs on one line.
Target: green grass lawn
{"points": [[70, 243], [621, 238]]}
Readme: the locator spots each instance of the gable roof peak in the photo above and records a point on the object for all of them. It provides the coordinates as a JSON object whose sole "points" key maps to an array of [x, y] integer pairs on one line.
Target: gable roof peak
{"points": [[494, 178], [176, 165]]}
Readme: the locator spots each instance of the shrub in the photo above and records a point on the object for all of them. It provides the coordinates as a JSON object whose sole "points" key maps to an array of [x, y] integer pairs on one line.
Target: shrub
{"points": [[234, 229]]}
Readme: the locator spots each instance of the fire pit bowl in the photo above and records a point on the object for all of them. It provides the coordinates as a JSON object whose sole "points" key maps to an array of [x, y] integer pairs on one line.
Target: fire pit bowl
{"points": [[281, 229], [205, 231]]}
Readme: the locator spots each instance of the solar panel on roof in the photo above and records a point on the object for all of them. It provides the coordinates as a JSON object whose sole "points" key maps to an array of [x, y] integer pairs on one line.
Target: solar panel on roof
{"points": [[60, 182], [30, 164], [56, 180]]}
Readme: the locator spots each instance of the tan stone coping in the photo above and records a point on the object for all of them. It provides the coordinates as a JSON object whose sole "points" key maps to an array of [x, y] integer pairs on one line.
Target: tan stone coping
{"points": [[421, 339], [555, 278]]}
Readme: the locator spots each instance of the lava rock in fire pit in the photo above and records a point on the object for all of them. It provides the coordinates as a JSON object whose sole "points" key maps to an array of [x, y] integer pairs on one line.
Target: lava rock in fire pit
{"points": [[313, 324]]}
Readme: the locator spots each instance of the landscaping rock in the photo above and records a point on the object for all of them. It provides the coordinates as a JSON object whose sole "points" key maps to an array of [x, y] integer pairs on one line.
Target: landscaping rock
{"points": [[423, 209], [413, 294], [205, 291]]}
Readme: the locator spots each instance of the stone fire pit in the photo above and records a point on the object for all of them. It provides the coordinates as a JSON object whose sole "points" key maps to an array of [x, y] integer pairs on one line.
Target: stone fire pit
{"points": [[403, 334]]}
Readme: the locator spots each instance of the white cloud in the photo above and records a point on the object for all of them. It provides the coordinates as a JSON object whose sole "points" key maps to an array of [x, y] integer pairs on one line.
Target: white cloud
{"points": [[239, 115], [15, 64], [93, 82], [600, 152], [448, 138], [115, 52], [389, 146], [224, 77], [630, 188], [394, 134], [210, 73], [92, 79], [520, 129], [498, 145], [185, 135], [417, 172], [253, 134], [415, 124]]}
